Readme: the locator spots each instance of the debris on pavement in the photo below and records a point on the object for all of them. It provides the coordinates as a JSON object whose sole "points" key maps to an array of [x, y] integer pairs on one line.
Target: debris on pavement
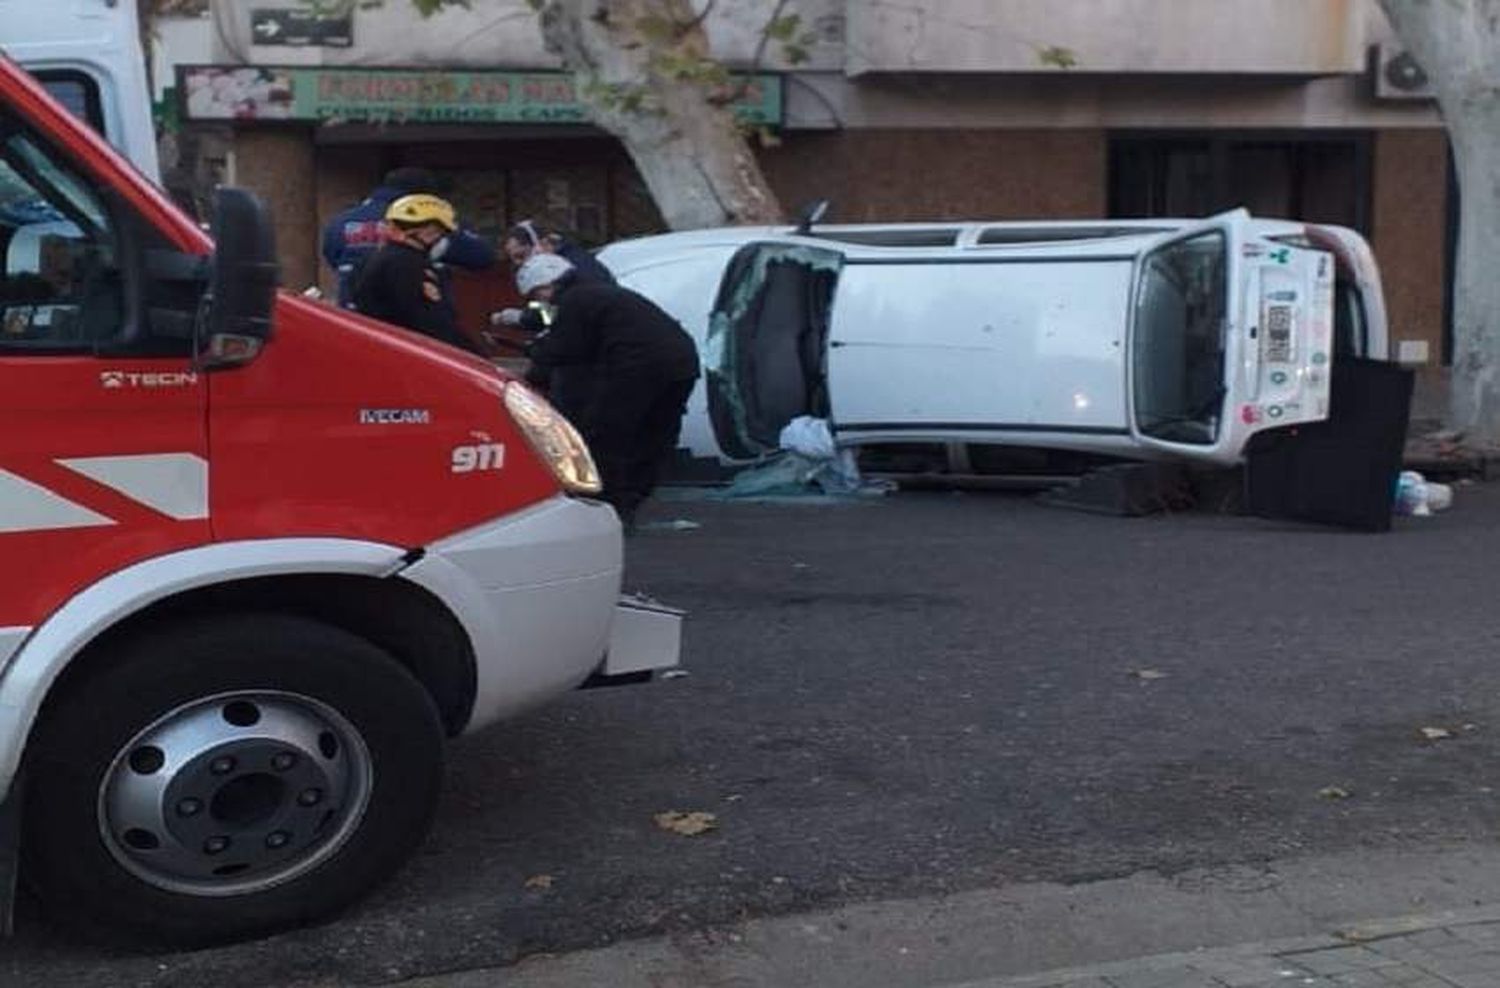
{"points": [[1334, 792], [1128, 490], [687, 824], [1436, 733], [675, 525], [1148, 675], [1419, 497], [810, 437], [810, 463], [540, 882], [789, 474]]}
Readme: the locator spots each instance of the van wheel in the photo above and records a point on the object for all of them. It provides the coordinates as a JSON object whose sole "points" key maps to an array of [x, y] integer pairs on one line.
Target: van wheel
{"points": [[226, 777]]}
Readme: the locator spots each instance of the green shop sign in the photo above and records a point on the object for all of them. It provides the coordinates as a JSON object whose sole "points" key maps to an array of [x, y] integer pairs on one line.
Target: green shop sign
{"points": [[349, 95]]}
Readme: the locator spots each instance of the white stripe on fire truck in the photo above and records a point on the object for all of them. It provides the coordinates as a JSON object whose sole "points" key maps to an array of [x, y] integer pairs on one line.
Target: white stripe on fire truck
{"points": [[176, 484], [28, 507]]}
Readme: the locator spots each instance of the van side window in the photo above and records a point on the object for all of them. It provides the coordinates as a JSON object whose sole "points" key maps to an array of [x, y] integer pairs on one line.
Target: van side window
{"points": [[76, 91], [60, 280]]}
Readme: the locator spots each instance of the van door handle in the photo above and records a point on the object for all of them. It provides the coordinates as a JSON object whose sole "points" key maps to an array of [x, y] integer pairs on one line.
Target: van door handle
{"points": [[832, 344]]}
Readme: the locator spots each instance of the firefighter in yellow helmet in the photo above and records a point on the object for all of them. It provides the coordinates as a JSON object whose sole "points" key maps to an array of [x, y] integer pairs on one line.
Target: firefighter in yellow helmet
{"points": [[400, 283]]}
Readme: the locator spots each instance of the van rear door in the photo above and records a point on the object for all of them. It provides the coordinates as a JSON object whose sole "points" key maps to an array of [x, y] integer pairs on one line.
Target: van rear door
{"points": [[1230, 335]]}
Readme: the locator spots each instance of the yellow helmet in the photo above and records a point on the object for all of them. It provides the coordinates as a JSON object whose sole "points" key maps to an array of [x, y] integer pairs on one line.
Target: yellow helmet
{"points": [[414, 210]]}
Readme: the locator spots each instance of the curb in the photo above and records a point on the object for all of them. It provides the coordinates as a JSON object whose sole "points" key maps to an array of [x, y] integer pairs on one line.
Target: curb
{"points": [[1365, 932]]}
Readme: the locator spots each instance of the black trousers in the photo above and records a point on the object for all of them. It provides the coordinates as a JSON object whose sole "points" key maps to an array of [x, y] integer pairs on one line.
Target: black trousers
{"points": [[572, 389], [633, 426]]}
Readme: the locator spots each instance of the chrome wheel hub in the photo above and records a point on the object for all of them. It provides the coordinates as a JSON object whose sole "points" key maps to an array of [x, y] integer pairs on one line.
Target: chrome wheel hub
{"points": [[235, 793]]}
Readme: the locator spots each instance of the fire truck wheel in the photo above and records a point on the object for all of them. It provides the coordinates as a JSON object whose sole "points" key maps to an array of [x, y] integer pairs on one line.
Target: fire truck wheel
{"points": [[227, 776]]}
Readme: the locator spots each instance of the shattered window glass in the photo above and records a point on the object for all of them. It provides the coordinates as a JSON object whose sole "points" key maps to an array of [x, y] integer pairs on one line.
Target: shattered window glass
{"points": [[764, 351]]}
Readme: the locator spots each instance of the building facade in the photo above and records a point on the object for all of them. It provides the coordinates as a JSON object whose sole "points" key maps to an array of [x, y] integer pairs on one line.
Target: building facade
{"points": [[902, 110]]}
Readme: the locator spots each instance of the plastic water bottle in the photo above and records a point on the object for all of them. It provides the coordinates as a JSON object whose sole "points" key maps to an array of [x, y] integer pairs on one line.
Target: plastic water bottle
{"points": [[1411, 494]]}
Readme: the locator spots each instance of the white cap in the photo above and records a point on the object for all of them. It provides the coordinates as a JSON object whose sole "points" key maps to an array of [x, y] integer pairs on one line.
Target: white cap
{"points": [[541, 269]]}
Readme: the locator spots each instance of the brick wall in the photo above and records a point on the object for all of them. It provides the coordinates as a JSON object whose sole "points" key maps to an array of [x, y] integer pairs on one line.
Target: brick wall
{"points": [[279, 166], [345, 176], [894, 175]]}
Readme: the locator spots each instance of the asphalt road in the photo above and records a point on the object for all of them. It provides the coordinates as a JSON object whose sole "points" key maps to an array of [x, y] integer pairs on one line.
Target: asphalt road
{"points": [[938, 692]]}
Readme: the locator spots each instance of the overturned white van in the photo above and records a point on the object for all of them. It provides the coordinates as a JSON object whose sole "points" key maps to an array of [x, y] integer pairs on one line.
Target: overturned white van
{"points": [[1138, 339]]}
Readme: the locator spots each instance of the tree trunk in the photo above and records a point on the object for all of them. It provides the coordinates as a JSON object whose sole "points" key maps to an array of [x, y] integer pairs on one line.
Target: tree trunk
{"points": [[637, 64], [1457, 42]]}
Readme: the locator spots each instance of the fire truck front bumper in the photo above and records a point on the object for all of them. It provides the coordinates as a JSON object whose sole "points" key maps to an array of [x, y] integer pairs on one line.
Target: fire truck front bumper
{"points": [[539, 594]]}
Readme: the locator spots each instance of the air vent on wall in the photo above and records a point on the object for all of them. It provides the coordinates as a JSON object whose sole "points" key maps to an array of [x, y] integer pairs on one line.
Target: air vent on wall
{"points": [[1398, 76]]}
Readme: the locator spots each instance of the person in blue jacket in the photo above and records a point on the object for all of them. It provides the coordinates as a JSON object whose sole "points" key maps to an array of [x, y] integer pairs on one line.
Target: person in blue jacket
{"points": [[352, 236]]}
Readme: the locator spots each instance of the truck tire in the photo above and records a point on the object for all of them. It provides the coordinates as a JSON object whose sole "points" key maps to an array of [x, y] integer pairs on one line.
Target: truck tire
{"points": [[227, 776]]}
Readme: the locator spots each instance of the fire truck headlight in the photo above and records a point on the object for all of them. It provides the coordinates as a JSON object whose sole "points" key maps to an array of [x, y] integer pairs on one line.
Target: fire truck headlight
{"points": [[554, 439]]}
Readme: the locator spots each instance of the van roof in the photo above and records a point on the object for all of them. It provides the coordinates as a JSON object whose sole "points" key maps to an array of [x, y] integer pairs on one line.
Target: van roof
{"points": [[938, 240]]}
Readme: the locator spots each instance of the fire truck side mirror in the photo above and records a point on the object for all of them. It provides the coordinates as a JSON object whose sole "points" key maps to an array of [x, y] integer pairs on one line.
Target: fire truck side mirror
{"points": [[243, 283]]}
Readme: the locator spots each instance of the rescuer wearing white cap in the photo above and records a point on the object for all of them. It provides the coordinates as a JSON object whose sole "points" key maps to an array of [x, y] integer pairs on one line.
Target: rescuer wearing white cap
{"points": [[646, 365]]}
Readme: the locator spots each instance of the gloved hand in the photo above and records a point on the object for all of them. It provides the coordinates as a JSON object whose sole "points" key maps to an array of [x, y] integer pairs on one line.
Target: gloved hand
{"points": [[506, 317]]}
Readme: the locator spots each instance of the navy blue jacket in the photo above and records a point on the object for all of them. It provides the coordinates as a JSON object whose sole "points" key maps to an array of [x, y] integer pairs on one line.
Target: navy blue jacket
{"points": [[354, 234], [589, 267]]}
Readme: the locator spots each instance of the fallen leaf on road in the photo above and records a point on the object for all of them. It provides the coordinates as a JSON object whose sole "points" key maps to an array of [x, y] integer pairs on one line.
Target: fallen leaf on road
{"points": [[539, 882], [687, 824], [1334, 792], [1436, 733], [1147, 675]]}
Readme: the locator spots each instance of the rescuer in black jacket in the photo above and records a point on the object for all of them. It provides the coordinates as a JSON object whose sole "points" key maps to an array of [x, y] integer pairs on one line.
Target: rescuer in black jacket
{"points": [[400, 283], [573, 388], [645, 362]]}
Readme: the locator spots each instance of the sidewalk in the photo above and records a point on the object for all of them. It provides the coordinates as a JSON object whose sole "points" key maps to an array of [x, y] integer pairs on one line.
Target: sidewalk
{"points": [[1293, 923], [1458, 949], [1442, 459]]}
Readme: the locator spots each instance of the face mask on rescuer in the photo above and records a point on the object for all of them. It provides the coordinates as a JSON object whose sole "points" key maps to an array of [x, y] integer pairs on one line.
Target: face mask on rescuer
{"points": [[439, 248]]}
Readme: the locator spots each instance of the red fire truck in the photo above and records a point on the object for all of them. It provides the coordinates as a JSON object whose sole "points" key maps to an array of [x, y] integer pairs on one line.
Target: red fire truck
{"points": [[261, 558]]}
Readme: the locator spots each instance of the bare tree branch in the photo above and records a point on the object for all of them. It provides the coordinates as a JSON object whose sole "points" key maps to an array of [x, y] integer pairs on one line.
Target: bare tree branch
{"points": [[765, 34], [708, 8]]}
